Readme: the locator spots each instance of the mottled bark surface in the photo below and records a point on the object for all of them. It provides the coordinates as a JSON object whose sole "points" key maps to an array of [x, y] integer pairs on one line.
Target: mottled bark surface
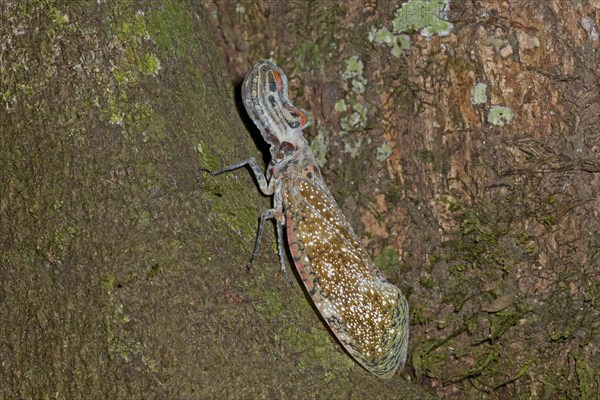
{"points": [[470, 164], [121, 262]]}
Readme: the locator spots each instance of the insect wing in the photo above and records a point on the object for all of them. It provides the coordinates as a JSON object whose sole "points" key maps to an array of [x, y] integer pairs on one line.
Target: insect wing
{"points": [[368, 315]]}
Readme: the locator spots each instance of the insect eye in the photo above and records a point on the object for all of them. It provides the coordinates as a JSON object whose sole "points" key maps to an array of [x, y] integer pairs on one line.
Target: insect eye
{"points": [[286, 149]]}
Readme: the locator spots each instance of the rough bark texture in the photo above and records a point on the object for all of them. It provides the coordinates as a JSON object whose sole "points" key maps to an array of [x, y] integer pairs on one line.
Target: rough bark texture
{"points": [[121, 261], [470, 164]]}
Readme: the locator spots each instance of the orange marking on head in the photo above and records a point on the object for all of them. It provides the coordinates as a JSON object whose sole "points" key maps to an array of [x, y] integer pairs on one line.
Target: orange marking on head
{"points": [[302, 118], [278, 81], [297, 111]]}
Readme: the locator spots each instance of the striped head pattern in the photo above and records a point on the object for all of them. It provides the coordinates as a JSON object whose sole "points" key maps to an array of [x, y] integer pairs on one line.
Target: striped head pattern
{"points": [[265, 96]]}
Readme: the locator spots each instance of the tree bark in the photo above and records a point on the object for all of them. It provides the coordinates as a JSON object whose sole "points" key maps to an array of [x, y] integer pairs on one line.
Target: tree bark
{"points": [[122, 262], [467, 157]]}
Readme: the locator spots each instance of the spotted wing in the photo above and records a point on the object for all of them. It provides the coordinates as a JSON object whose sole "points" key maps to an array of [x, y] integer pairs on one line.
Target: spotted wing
{"points": [[368, 315]]}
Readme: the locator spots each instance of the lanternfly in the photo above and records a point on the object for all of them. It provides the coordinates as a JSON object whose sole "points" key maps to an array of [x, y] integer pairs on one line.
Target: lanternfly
{"points": [[367, 314]]}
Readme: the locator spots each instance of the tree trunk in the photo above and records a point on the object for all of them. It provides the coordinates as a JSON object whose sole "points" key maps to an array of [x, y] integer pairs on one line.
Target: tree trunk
{"points": [[122, 262], [462, 140]]}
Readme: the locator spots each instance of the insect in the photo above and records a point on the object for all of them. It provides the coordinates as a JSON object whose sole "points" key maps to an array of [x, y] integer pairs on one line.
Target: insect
{"points": [[367, 314]]}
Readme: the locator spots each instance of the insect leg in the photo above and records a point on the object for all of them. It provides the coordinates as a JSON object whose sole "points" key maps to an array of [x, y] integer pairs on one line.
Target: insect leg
{"points": [[266, 188], [273, 213], [280, 248], [268, 214]]}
